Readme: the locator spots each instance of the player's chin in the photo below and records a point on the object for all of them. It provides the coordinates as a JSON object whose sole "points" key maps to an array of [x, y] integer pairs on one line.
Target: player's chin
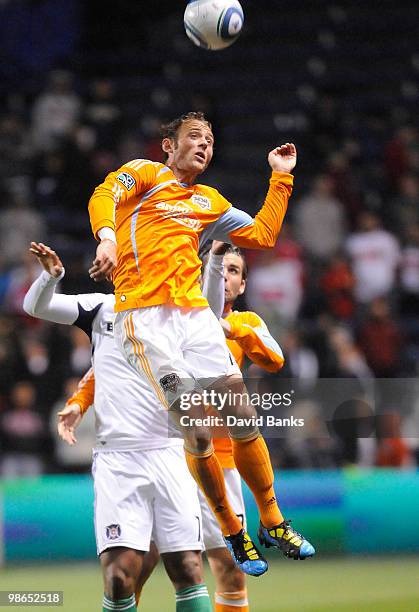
{"points": [[200, 165]]}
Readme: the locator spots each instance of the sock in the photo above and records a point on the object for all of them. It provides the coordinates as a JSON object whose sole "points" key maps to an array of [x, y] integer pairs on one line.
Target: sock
{"points": [[254, 464], [193, 599], [232, 602], [119, 605], [209, 476]]}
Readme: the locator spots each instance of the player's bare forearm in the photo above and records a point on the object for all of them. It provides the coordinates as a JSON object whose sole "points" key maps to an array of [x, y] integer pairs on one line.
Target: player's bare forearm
{"points": [[104, 262]]}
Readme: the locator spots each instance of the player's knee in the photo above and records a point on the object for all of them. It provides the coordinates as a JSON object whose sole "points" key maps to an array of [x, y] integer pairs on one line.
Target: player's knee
{"points": [[199, 439], [184, 568], [118, 583], [232, 580], [203, 439], [229, 578]]}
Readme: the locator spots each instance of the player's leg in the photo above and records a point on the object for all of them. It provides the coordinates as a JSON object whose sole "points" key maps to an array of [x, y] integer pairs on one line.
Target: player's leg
{"points": [[150, 561], [252, 460], [230, 581], [177, 530], [185, 570], [250, 452], [123, 523], [121, 568]]}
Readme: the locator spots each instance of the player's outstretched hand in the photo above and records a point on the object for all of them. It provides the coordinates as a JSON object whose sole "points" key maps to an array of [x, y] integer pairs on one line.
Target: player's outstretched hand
{"points": [[283, 158], [68, 420], [48, 258], [104, 262]]}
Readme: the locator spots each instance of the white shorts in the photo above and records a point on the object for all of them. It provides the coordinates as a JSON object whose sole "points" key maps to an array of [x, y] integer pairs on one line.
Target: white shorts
{"points": [[213, 538], [173, 348], [144, 495]]}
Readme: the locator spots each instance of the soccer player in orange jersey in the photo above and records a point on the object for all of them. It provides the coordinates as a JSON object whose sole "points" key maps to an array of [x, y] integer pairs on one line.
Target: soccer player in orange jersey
{"points": [[151, 218]]}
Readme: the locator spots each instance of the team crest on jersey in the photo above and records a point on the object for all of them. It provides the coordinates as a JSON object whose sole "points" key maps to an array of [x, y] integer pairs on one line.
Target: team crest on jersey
{"points": [[113, 532], [126, 179], [202, 201], [170, 382]]}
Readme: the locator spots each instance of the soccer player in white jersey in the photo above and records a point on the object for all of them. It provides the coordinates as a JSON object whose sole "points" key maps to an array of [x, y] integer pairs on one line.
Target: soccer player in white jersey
{"points": [[140, 476]]}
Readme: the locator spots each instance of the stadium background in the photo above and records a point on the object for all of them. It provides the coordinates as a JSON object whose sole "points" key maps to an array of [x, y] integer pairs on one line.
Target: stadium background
{"points": [[84, 89]]}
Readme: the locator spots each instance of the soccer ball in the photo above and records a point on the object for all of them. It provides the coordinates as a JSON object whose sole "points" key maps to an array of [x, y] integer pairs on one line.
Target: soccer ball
{"points": [[213, 24]]}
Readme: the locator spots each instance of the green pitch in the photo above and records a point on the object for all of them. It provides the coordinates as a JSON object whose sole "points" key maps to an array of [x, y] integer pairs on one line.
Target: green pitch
{"points": [[343, 585]]}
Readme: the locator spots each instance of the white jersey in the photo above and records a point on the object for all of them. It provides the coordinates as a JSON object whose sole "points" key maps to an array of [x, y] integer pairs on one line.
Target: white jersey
{"points": [[128, 414], [375, 256]]}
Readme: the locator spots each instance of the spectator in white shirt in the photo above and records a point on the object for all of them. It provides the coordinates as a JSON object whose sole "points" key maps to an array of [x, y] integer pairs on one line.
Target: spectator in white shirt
{"points": [[375, 255]]}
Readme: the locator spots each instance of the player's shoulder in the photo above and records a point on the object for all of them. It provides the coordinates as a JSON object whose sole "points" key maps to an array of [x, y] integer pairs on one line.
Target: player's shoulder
{"points": [[130, 172], [137, 164], [211, 198]]}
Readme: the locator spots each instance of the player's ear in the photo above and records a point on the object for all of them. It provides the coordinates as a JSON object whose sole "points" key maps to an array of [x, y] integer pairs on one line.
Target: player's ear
{"points": [[167, 145], [242, 287]]}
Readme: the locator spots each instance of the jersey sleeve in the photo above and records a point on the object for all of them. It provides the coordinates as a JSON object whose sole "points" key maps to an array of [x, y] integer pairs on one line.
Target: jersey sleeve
{"points": [[214, 283], [237, 227], [42, 301], [253, 336], [85, 392], [132, 179]]}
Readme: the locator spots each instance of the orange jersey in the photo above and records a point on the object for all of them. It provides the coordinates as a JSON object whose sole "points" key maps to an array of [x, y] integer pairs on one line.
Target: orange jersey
{"points": [[249, 338], [160, 224]]}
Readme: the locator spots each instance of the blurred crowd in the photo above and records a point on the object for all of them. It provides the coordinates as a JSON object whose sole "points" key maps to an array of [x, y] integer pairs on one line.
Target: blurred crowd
{"points": [[340, 291]]}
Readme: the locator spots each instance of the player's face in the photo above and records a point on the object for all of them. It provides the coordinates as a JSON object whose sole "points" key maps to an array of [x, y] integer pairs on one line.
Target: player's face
{"points": [[193, 149], [233, 277]]}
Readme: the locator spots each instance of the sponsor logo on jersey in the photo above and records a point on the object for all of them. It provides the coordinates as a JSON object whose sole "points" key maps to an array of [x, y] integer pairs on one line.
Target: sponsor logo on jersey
{"points": [[113, 532], [126, 179], [170, 382], [109, 326], [180, 213], [202, 201]]}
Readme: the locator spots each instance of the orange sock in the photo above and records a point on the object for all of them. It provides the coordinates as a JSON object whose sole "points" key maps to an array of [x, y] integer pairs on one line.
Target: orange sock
{"points": [[254, 464], [209, 476], [231, 602]]}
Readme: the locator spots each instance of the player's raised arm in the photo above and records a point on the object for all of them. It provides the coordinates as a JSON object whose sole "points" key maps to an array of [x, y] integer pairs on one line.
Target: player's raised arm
{"points": [[41, 300], [70, 416], [239, 228], [213, 280]]}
